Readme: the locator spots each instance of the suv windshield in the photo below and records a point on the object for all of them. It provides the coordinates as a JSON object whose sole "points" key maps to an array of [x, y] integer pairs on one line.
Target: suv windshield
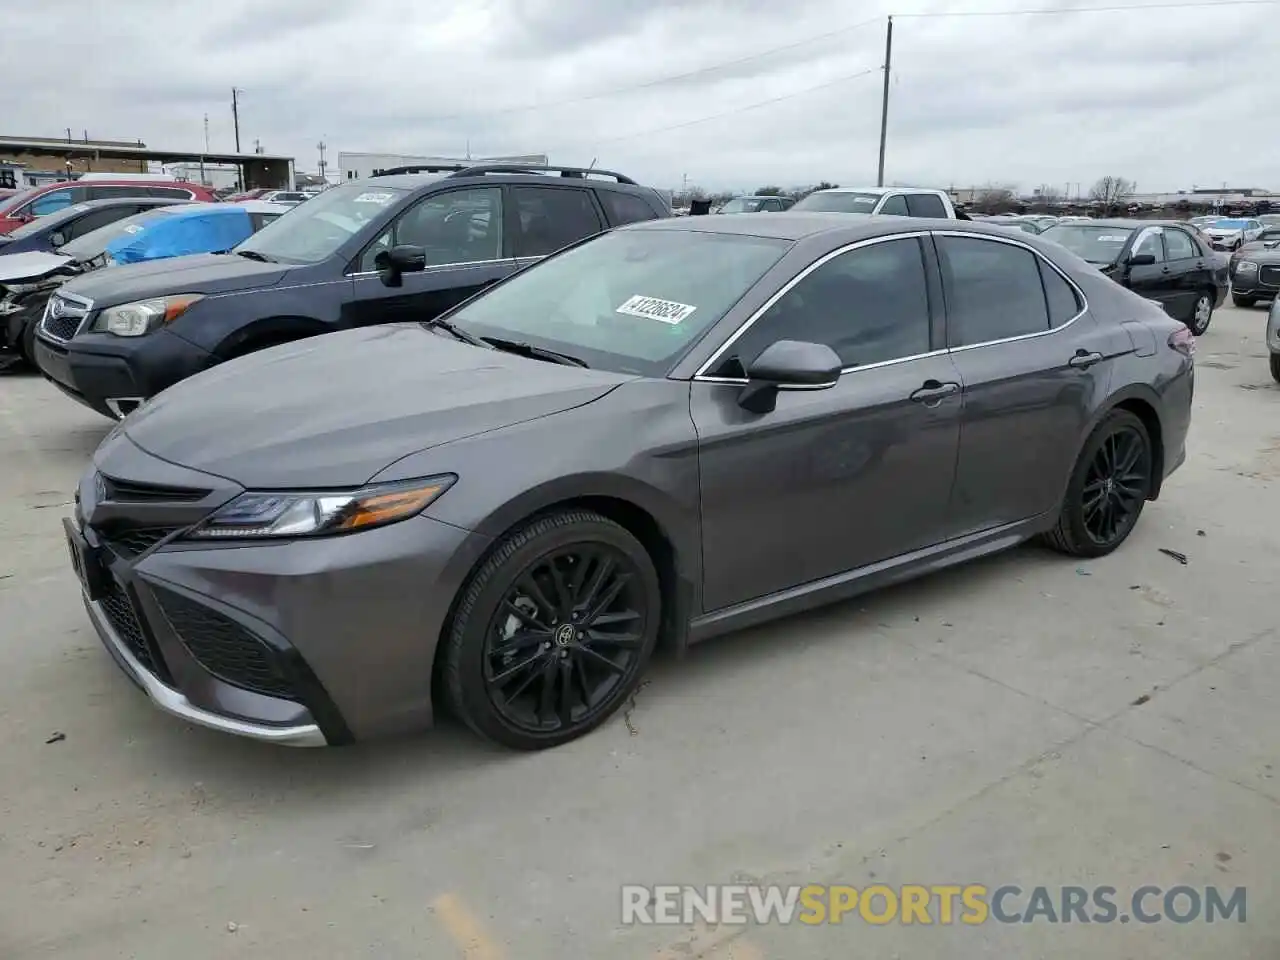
{"points": [[95, 242], [845, 202], [631, 300], [313, 231], [743, 205], [1101, 245], [1229, 224]]}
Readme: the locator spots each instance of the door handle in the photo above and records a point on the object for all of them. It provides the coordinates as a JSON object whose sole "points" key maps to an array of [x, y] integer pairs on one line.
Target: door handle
{"points": [[1083, 360], [933, 392]]}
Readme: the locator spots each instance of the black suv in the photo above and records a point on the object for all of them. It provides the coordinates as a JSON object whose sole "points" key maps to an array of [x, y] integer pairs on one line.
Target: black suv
{"points": [[407, 244]]}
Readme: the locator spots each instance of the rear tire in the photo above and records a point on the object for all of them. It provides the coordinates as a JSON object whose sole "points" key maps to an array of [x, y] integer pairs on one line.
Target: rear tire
{"points": [[1109, 486], [1201, 313], [1242, 301], [27, 345], [553, 632], [1275, 367]]}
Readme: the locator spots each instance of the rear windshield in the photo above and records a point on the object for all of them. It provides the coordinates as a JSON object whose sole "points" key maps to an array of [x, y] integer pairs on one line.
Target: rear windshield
{"points": [[1096, 244], [11, 203], [847, 202]]}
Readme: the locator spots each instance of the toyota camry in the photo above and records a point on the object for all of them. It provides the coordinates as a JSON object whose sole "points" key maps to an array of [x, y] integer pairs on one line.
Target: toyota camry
{"points": [[669, 431]]}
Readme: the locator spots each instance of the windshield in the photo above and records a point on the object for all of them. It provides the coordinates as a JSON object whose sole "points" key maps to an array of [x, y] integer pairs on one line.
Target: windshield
{"points": [[95, 242], [1230, 224], [1096, 244], [743, 205], [631, 301], [313, 231], [847, 202]]}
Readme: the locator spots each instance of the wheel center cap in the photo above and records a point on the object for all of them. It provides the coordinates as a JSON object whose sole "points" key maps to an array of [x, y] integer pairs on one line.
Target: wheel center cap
{"points": [[1109, 486], [565, 634]]}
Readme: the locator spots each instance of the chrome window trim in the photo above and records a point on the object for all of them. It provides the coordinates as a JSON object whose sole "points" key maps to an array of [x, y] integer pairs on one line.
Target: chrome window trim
{"points": [[432, 268], [701, 374]]}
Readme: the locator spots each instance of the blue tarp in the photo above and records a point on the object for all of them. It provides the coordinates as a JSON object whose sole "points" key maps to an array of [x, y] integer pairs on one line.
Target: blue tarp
{"points": [[180, 234]]}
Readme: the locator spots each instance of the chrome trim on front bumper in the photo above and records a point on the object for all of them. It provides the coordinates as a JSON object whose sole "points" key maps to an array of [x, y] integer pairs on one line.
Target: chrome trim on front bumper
{"points": [[113, 404], [171, 701]]}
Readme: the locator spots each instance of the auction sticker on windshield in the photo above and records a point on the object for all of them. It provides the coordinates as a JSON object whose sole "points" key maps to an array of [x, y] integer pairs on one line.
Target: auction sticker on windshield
{"points": [[651, 308], [382, 199], [1110, 238]]}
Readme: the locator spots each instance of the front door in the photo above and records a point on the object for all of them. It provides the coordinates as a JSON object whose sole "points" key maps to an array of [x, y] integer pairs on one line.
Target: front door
{"points": [[462, 234], [835, 479], [1033, 364]]}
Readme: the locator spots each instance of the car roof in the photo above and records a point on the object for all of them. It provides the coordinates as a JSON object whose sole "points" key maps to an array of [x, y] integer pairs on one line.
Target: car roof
{"points": [[1125, 222], [795, 225]]}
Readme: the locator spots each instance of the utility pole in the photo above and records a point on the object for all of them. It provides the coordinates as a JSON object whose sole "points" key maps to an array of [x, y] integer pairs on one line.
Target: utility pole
{"points": [[206, 148], [322, 146], [884, 104], [235, 114]]}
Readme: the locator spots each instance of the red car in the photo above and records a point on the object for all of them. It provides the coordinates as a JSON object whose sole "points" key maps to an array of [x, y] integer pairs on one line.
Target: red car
{"points": [[51, 197]]}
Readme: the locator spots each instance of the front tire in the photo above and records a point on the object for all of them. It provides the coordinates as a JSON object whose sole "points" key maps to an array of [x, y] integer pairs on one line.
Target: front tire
{"points": [[1275, 367], [1201, 313], [1242, 301], [1109, 486], [553, 631]]}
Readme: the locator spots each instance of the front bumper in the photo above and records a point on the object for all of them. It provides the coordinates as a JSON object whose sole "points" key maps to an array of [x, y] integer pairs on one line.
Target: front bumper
{"points": [[112, 374], [1264, 282], [299, 642]]}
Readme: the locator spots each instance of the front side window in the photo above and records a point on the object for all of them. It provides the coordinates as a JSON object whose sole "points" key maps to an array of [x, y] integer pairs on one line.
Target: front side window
{"points": [[1179, 246], [551, 218], [896, 206], [50, 203], [456, 226], [869, 305], [315, 231], [96, 219], [1150, 242], [631, 300], [993, 291]]}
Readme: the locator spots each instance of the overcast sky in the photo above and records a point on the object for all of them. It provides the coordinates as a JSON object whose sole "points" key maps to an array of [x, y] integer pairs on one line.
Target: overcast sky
{"points": [[1160, 97]]}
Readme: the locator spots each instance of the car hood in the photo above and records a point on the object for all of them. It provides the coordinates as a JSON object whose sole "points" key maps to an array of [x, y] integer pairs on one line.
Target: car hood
{"points": [[1269, 251], [334, 410], [198, 273], [29, 266]]}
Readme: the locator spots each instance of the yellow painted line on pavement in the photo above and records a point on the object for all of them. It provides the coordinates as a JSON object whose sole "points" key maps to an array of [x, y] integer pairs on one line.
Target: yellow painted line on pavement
{"points": [[465, 930]]}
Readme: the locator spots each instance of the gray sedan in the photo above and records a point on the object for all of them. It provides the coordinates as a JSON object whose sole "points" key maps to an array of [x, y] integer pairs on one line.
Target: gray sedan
{"points": [[664, 433]]}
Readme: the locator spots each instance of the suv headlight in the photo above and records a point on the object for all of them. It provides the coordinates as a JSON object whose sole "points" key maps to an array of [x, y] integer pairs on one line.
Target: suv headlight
{"points": [[1246, 266], [142, 316], [255, 515]]}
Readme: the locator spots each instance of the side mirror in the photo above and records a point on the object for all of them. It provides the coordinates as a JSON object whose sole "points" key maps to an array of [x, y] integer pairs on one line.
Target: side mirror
{"points": [[394, 263], [788, 365], [1142, 260], [57, 238]]}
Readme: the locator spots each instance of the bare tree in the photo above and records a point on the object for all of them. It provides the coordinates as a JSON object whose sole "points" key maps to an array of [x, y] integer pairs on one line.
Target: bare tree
{"points": [[1111, 190], [768, 192], [995, 199], [1047, 193]]}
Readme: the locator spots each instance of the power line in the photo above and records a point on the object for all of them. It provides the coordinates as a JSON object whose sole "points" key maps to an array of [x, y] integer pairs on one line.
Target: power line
{"points": [[743, 109], [1063, 11], [660, 81]]}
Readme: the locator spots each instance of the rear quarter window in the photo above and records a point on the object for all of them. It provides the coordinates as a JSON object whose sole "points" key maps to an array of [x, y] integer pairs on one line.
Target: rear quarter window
{"points": [[926, 205], [623, 208]]}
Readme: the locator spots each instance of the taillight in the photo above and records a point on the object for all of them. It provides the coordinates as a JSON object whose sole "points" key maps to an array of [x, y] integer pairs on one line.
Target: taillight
{"points": [[1184, 341]]}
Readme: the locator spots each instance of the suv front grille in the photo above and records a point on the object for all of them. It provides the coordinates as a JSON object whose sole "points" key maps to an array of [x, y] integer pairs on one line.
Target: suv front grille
{"points": [[1270, 275], [223, 647], [63, 315]]}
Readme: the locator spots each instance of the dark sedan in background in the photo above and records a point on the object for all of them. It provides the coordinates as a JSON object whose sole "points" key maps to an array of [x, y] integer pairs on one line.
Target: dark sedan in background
{"points": [[663, 433], [1255, 269], [1161, 260], [46, 234]]}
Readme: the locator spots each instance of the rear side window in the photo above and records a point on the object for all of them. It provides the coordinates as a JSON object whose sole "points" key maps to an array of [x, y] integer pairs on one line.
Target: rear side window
{"points": [[549, 218], [926, 205], [1060, 295], [896, 206], [993, 291], [625, 208], [170, 193]]}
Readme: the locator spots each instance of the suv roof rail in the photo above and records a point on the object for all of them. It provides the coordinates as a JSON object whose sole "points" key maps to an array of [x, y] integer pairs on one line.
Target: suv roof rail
{"points": [[418, 168], [575, 172]]}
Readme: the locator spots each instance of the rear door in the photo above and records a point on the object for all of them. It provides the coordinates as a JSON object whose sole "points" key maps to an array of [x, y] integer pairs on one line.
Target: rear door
{"points": [[462, 232], [1033, 364], [1190, 272], [542, 220]]}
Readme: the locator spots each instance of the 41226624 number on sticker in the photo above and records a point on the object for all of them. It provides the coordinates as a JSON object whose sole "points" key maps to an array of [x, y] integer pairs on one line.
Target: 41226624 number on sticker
{"points": [[651, 308]]}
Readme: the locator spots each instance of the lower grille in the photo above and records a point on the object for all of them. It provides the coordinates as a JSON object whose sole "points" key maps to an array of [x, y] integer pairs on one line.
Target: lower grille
{"points": [[224, 648], [1270, 275], [131, 543], [124, 621]]}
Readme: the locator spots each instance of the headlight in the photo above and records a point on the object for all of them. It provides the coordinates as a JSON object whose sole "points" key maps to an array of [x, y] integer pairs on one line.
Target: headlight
{"points": [[253, 515], [143, 316], [1246, 266]]}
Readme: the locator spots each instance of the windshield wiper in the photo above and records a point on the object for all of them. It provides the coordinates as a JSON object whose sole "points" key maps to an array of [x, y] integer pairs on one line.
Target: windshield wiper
{"points": [[254, 255], [458, 334], [537, 353]]}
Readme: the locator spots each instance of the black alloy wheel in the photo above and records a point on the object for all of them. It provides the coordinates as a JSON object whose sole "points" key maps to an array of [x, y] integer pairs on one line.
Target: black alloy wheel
{"points": [[553, 631], [1109, 487]]}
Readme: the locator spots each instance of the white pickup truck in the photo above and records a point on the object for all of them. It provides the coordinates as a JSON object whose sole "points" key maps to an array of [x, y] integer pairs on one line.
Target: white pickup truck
{"points": [[894, 201]]}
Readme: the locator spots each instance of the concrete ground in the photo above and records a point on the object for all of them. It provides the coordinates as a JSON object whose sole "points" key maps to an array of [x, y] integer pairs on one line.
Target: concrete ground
{"points": [[1026, 720]]}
